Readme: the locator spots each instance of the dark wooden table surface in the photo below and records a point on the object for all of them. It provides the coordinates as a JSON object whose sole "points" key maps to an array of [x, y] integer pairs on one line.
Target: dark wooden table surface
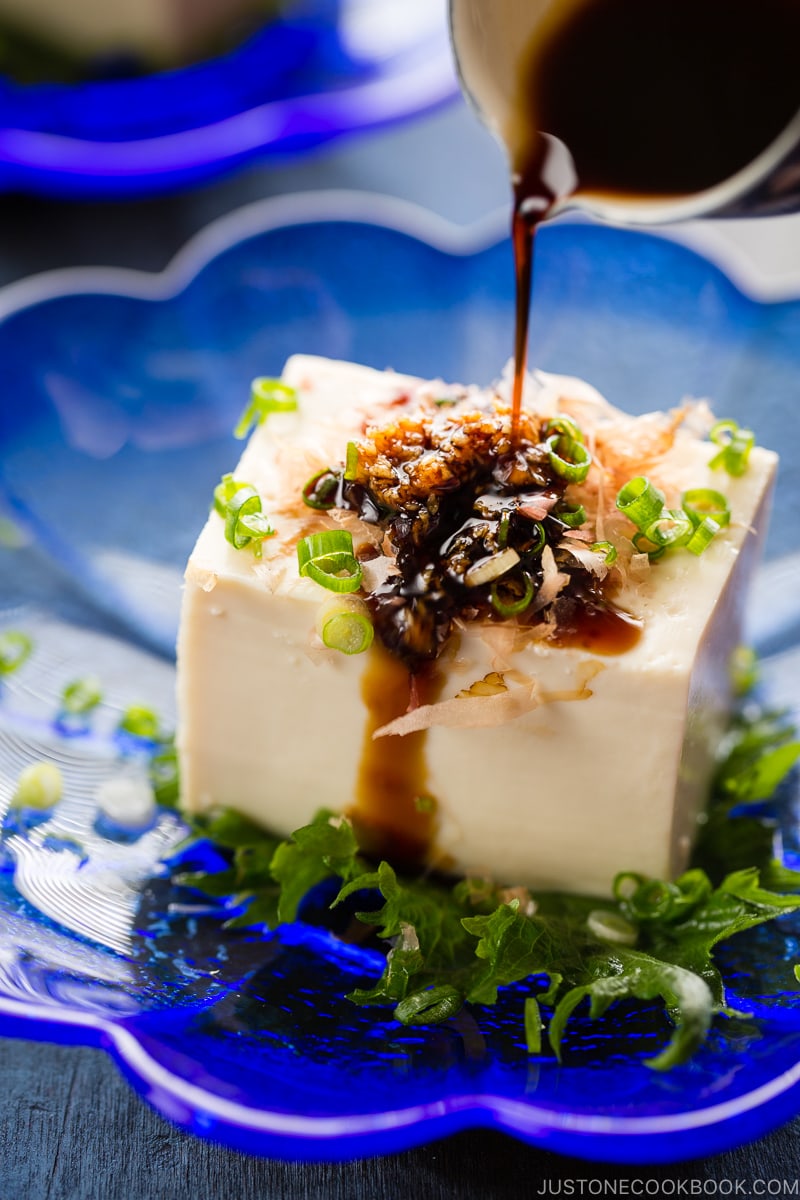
{"points": [[70, 1127]]}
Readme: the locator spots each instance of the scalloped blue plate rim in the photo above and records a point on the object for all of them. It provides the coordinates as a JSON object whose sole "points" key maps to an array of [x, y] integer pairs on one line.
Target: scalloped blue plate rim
{"points": [[364, 208], [294, 1136]]}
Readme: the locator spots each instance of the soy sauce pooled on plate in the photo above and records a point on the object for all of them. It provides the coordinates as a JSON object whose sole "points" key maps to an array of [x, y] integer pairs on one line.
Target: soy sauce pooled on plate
{"points": [[636, 100]]}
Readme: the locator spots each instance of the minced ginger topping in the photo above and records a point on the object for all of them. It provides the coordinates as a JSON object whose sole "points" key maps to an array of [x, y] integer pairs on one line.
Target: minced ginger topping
{"points": [[477, 526]]}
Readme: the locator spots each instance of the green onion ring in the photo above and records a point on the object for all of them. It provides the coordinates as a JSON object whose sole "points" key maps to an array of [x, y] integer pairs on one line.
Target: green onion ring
{"points": [[224, 492], [672, 528], [239, 531], [324, 556], [722, 432], [625, 885], [514, 608], [736, 444], [574, 468], [609, 926], [654, 552], [81, 696], [351, 462], [345, 628], [573, 517], [699, 503], [141, 722], [541, 538], [563, 425], [607, 549], [704, 533], [39, 786], [320, 491], [502, 529], [640, 501], [15, 648], [653, 900], [266, 396]]}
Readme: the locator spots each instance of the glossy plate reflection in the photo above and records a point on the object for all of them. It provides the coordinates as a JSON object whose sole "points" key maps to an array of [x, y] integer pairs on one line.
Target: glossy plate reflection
{"points": [[123, 390]]}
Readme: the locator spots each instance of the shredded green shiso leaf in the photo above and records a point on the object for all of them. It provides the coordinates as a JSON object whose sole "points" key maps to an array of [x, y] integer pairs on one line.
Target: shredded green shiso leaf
{"points": [[454, 944]]}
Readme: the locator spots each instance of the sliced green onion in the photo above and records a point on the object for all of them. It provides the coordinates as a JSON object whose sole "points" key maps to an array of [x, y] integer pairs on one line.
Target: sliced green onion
{"points": [[563, 425], [541, 538], [502, 529], [224, 492], [641, 501], [672, 528], [699, 503], [736, 444], [141, 722], [81, 696], [239, 504], [320, 491], [573, 517], [704, 533], [569, 458], [721, 432], [607, 549], [652, 551], [245, 502], [626, 884], [512, 607], [344, 624], [533, 1025], [351, 462], [328, 559], [609, 926], [39, 786], [491, 568], [15, 647], [266, 396], [430, 1006], [425, 804]]}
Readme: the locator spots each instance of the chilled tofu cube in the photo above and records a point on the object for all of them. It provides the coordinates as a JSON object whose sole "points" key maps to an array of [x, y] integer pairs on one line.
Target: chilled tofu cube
{"points": [[536, 763]]}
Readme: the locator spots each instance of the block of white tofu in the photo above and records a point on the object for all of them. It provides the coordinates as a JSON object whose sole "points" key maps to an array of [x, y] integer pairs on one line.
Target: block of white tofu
{"points": [[598, 763]]}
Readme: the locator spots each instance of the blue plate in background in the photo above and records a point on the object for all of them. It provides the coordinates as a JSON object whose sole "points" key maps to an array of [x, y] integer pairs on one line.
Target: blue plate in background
{"points": [[325, 69], [120, 391]]}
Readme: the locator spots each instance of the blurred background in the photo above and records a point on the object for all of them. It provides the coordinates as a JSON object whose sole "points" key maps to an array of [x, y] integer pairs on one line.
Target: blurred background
{"points": [[125, 128]]}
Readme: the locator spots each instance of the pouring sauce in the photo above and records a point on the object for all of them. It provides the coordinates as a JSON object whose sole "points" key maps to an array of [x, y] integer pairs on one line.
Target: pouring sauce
{"points": [[638, 100]]}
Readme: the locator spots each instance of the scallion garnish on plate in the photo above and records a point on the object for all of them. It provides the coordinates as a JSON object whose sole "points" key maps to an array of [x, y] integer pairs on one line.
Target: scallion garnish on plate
{"points": [[15, 648]]}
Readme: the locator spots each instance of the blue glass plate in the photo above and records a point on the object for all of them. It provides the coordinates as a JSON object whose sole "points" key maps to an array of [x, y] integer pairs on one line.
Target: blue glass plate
{"points": [[325, 69], [120, 391]]}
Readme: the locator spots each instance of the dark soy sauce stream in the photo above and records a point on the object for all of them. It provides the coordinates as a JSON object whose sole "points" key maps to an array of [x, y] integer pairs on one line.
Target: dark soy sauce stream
{"points": [[644, 99]]}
